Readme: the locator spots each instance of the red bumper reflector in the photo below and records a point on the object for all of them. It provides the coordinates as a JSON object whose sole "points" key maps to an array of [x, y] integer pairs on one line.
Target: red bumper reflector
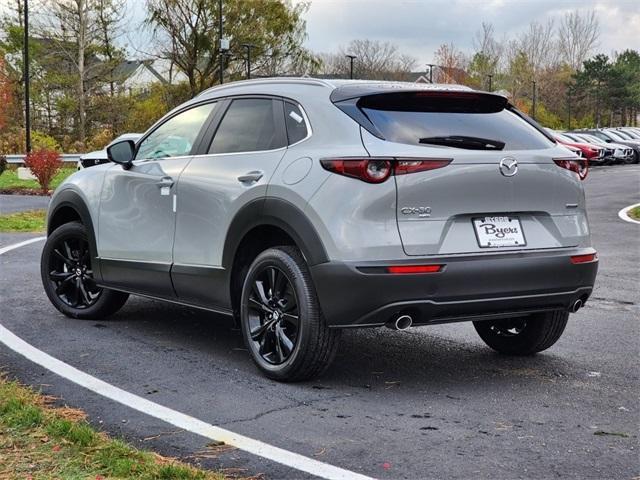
{"points": [[399, 269], [591, 257]]}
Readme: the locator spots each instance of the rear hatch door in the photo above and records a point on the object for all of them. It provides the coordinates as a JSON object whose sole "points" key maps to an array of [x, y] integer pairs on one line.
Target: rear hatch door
{"points": [[501, 191]]}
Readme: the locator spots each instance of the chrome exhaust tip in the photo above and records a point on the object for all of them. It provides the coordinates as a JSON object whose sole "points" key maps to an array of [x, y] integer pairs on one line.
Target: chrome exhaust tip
{"points": [[401, 323], [577, 305]]}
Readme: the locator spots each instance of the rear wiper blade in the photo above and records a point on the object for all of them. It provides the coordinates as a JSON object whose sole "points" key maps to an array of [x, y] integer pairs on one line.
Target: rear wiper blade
{"points": [[461, 141]]}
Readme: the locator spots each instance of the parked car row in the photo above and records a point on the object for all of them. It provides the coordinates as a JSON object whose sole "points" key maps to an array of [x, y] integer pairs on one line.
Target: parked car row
{"points": [[603, 146]]}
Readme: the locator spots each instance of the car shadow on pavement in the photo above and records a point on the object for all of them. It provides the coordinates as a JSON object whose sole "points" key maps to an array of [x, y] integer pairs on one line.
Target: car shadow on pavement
{"points": [[376, 358]]}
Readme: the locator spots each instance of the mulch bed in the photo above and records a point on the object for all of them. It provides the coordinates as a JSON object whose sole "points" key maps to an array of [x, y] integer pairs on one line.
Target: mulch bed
{"points": [[25, 191]]}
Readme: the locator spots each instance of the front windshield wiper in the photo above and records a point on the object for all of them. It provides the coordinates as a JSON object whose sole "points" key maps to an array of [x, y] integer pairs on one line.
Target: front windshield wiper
{"points": [[461, 141]]}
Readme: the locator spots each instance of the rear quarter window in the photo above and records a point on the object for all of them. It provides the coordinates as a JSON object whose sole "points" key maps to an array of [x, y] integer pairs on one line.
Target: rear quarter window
{"points": [[297, 128]]}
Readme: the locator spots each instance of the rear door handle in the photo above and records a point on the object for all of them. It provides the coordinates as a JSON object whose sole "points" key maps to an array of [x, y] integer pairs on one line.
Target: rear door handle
{"points": [[165, 182], [250, 177]]}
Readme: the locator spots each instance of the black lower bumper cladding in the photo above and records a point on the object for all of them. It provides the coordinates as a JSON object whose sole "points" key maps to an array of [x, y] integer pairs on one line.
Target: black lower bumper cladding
{"points": [[466, 288]]}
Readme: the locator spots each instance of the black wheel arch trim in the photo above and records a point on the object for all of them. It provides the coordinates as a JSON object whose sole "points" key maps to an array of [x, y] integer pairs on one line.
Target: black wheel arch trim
{"points": [[271, 211], [70, 199]]}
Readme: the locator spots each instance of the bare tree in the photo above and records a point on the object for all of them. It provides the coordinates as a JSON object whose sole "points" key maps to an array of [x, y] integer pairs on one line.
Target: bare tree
{"points": [[484, 42], [487, 57], [452, 64], [374, 60], [578, 36], [110, 15], [71, 28], [539, 45]]}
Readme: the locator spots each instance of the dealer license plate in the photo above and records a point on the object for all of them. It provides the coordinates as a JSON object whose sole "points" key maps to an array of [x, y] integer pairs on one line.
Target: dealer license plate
{"points": [[496, 232]]}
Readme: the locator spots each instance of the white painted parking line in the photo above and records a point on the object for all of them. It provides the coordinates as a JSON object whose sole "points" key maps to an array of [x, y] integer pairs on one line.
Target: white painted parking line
{"points": [[173, 417], [623, 214], [8, 248]]}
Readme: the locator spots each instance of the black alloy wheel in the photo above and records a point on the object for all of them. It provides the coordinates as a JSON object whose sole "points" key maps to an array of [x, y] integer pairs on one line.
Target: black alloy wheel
{"points": [[273, 315], [525, 335], [281, 319], [509, 327], [71, 275], [68, 277]]}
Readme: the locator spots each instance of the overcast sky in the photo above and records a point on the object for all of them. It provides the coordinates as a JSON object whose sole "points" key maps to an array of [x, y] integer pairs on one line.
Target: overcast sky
{"points": [[418, 27]]}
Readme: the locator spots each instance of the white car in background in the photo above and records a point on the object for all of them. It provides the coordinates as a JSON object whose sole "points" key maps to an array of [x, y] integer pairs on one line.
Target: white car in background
{"points": [[98, 157]]}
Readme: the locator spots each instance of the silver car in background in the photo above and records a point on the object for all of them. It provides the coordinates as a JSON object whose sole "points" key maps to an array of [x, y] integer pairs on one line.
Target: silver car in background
{"points": [[303, 207]]}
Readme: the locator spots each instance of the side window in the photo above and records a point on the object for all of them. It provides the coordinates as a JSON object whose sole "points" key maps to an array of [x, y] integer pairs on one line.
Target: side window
{"points": [[296, 126], [175, 137], [248, 126]]}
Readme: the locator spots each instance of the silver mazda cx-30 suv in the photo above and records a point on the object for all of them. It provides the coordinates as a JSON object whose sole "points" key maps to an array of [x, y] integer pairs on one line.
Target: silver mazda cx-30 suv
{"points": [[303, 206]]}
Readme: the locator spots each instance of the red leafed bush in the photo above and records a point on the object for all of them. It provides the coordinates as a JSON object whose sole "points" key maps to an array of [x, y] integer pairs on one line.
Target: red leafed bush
{"points": [[44, 164]]}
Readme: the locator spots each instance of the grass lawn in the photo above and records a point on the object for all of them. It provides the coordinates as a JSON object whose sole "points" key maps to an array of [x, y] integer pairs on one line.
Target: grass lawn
{"points": [[43, 442], [9, 180], [29, 221], [634, 213]]}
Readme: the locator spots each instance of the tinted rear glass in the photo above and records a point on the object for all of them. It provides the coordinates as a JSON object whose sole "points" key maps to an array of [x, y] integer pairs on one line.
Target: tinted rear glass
{"points": [[248, 126], [415, 120]]}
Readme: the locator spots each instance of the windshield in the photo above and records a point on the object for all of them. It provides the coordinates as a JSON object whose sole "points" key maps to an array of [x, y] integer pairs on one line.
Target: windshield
{"points": [[593, 139], [632, 134], [615, 136], [564, 138]]}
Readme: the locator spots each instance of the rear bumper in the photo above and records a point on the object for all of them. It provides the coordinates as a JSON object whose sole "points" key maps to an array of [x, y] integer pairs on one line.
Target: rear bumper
{"points": [[468, 288]]}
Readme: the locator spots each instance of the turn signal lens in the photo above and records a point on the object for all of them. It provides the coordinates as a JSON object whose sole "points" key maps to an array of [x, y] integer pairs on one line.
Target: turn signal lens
{"points": [[400, 269], [590, 257], [378, 169], [577, 165]]}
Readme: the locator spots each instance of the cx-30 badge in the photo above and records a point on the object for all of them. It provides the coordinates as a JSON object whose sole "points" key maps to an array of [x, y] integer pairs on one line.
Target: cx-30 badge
{"points": [[508, 166], [420, 211]]}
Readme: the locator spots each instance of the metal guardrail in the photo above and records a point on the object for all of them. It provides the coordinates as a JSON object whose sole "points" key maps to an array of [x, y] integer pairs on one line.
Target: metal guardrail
{"points": [[66, 158]]}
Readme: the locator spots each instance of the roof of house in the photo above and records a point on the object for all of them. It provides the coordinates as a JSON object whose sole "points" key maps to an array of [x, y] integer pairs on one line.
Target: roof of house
{"points": [[127, 68]]}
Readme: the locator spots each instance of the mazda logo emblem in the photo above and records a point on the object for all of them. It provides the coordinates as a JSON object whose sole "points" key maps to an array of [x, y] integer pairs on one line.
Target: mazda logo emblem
{"points": [[508, 166]]}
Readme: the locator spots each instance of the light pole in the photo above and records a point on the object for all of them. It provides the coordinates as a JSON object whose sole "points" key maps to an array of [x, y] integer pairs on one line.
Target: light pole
{"points": [[430, 65], [533, 103], [490, 78], [351, 58], [223, 42], [248, 46], [27, 109]]}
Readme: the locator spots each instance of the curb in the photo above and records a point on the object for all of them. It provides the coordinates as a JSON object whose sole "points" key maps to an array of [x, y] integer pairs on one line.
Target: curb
{"points": [[178, 419], [623, 214]]}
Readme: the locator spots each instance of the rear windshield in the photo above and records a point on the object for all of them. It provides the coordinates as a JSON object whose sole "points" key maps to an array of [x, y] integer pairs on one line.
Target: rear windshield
{"points": [[471, 123]]}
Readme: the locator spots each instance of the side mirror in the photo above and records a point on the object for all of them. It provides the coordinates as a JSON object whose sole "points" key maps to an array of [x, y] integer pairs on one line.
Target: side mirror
{"points": [[122, 153]]}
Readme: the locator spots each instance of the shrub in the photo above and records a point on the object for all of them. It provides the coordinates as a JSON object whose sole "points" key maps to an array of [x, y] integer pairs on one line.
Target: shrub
{"points": [[13, 141], [3, 164], [44, 164], [100, 140]]}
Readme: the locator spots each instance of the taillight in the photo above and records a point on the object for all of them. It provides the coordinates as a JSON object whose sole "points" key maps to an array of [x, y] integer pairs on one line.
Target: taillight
{"points": [[409, 269], [413, 165], [589, 257], [378, 169], [368, 170], [577, 165]]}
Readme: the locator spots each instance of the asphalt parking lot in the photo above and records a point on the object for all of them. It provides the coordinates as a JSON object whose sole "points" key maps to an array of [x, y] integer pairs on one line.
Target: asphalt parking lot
{"points": [[430, 402]]}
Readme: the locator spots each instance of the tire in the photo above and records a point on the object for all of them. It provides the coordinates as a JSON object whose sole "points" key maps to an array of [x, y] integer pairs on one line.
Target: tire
{"points": [[276, 290], [65, 268], [523, 335]]}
